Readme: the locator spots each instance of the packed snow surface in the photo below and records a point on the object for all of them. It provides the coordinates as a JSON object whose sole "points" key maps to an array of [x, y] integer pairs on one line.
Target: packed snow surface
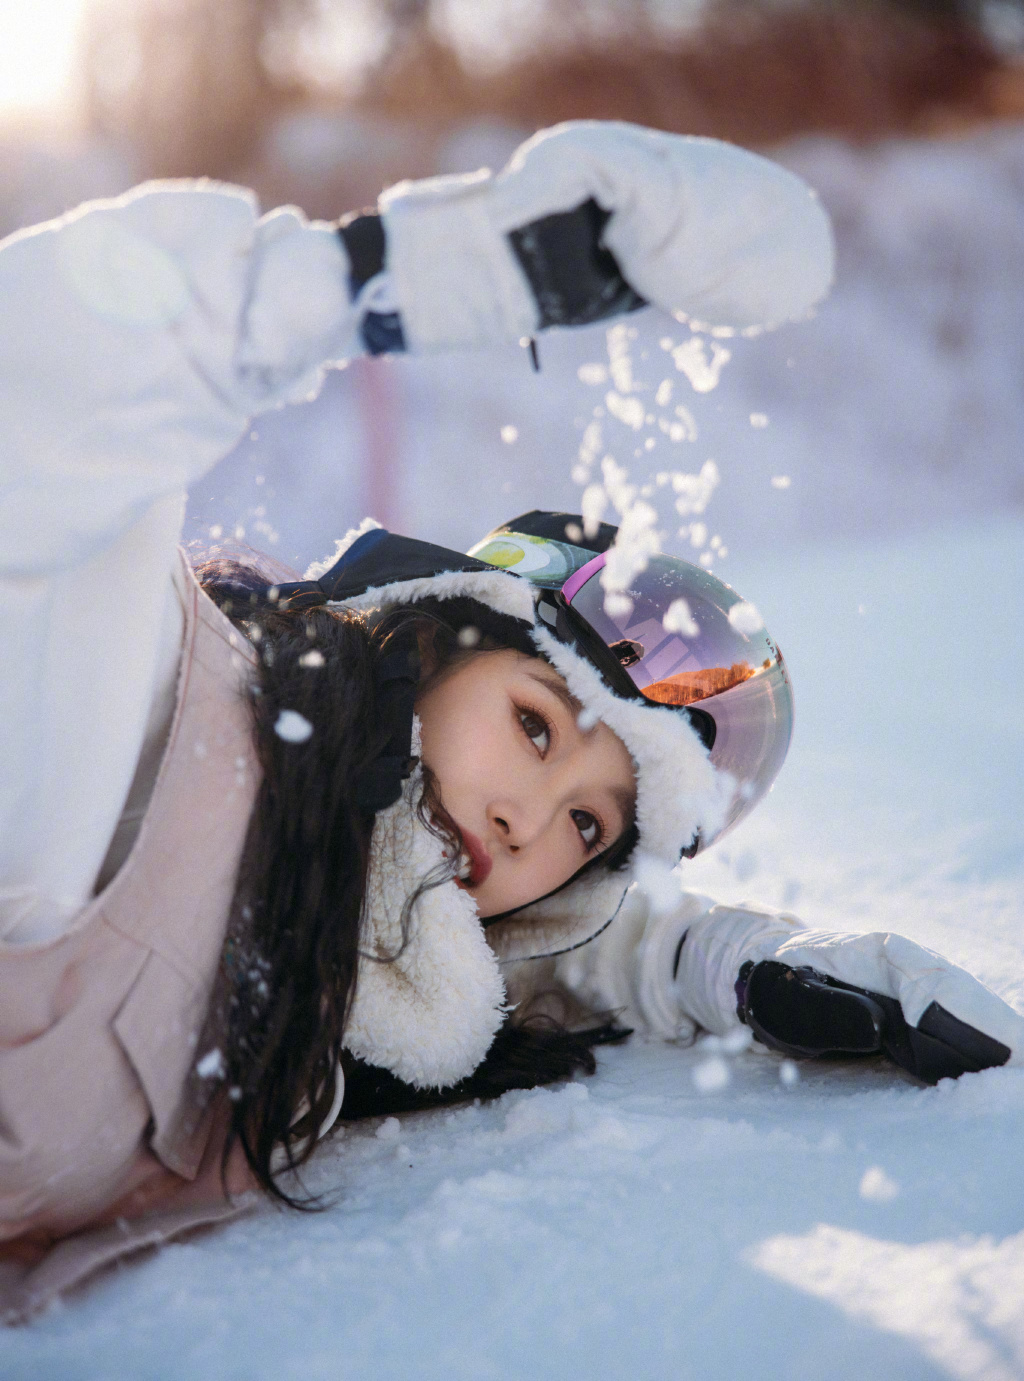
{"points": [[717, 1211]]}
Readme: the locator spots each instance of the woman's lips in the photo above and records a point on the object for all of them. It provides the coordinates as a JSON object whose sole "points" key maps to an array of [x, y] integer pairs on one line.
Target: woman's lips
{"points": [[480, 861]]}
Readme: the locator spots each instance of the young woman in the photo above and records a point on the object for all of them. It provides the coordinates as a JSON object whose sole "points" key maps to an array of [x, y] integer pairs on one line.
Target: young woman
{"points": [[274, 852]]}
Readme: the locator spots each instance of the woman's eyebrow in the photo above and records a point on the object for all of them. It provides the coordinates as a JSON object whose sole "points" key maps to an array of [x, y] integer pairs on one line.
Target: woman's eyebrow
{"points": [[558, 687]]}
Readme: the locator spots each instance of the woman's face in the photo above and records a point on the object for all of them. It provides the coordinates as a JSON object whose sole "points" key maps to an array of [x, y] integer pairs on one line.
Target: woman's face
{"points": [[534, 795]]}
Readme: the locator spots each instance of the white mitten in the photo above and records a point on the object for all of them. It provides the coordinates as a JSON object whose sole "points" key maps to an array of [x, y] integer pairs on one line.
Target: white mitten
{"points": [[810, 993], [590, 219]]}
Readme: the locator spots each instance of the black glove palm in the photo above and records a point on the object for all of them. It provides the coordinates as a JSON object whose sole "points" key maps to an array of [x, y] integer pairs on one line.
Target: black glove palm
{"points": [[805, 1013]]}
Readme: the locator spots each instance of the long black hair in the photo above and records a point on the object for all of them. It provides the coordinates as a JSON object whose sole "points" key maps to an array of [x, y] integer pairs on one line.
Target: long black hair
{"points": [[291, 957]]}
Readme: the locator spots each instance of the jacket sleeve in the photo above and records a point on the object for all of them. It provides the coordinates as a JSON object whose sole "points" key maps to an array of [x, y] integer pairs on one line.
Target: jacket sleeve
{"points": [[138, 338], [669, 973]]}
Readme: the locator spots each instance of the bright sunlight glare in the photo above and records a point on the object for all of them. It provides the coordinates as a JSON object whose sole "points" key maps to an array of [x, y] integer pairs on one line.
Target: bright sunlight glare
{"points": [[37, 53]]}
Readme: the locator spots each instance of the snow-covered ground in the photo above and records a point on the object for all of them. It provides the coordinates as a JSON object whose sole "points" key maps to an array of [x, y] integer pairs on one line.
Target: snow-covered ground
{"points": [[850, 1224]]}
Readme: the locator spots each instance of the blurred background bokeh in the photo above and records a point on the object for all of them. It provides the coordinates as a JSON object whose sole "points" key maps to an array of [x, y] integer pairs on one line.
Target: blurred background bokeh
{"points": [[325, 101], [905, 114]]}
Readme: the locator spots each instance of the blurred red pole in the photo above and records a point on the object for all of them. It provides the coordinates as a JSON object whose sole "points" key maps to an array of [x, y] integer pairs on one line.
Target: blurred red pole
{"points": [[379, 402]]}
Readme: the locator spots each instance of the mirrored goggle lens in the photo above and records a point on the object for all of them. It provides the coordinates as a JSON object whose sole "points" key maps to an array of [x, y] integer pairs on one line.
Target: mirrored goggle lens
{"points": [[719, 668], [672, 633]]}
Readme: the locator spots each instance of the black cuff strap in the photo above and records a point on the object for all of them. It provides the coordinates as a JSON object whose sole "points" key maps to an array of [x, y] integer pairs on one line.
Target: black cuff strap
{"points": [[362, 234], [574, 278]]}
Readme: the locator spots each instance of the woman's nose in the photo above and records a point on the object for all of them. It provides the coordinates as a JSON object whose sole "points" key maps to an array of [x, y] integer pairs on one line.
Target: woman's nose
{"points": [[517, 823]]}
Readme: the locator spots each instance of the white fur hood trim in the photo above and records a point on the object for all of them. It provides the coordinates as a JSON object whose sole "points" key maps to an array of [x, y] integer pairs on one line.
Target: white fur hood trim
{"points": [[429, 1015], [565, 921], [506, 594]]}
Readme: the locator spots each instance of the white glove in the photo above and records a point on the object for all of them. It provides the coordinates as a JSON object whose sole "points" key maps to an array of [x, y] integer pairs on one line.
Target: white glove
{"points": [[592, 218], [814, 992]]}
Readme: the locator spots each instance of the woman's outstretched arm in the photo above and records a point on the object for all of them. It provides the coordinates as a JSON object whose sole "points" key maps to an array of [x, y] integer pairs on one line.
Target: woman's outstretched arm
{"points": [[701, 966]]}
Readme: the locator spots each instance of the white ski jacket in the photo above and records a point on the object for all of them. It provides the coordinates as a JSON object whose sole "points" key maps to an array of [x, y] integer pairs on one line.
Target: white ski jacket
{"points": [[140, 338]]}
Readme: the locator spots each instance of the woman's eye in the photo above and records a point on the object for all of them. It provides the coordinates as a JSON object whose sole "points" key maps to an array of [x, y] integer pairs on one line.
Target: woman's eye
{"points": [[588, 826], [536, 729]]}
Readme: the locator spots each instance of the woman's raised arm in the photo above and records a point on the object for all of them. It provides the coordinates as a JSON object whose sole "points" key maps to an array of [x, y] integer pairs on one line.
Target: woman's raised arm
{"points": [[138, 337]]}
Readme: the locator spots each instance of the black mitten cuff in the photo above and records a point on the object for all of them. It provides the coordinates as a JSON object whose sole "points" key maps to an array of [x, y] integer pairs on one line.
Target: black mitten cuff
{"points": [[362, 234]]}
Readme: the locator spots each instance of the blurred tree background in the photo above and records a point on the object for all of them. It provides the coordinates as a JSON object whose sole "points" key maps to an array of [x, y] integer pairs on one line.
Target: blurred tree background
{"points": [[324, 101]]}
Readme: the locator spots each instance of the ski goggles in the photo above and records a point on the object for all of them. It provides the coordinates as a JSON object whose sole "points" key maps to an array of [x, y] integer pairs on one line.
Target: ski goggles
{"points": [[678, 638]]}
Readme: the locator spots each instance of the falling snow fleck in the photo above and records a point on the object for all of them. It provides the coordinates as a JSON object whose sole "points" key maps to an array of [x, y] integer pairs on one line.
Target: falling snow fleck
{"points": [[679, 619], [711, 1076], [592, 374], [746, 618], [629, 411], [293, 727], [877, 1187], [701, 368], [211, 1066], [617, 605]]}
